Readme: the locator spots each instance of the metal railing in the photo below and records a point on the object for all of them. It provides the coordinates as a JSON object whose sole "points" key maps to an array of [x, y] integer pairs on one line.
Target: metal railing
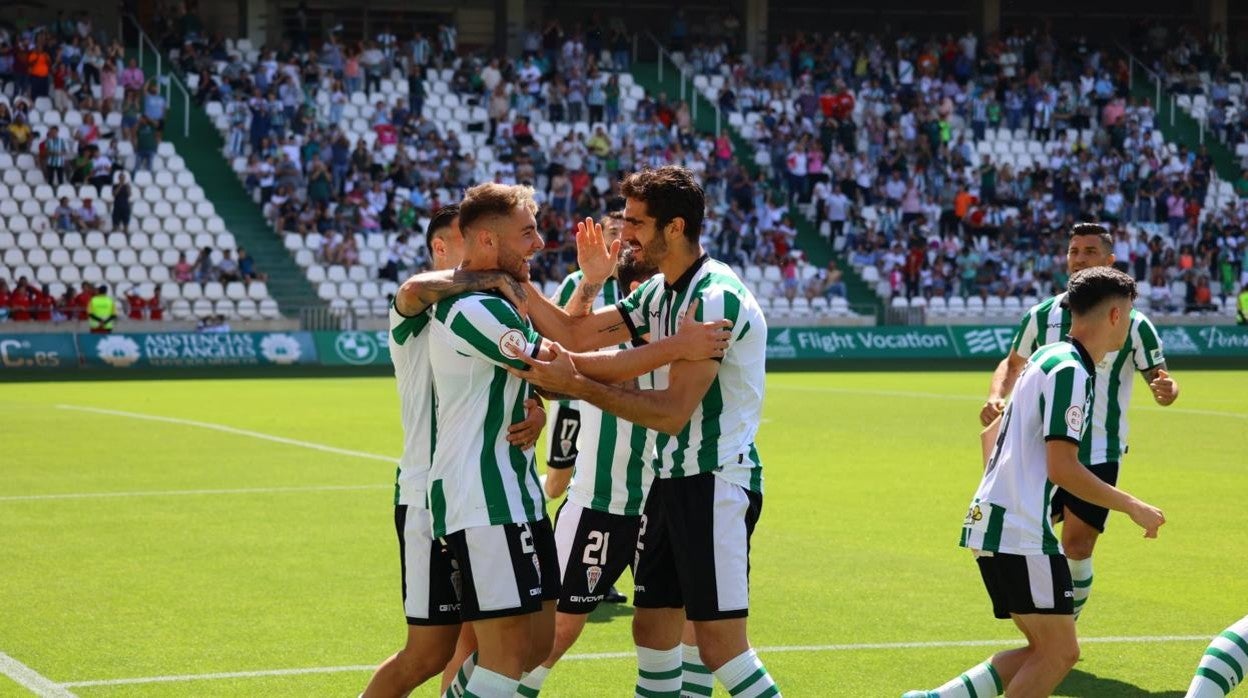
{"points": [[1158, 82], [168, 80], [685, 76]]}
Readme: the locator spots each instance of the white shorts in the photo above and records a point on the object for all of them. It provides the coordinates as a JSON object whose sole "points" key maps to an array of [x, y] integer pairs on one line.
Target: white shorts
{"points": [[431, 579], [508, 569]]}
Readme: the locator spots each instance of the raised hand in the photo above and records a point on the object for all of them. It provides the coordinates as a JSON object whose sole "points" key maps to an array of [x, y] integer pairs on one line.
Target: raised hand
{"points": [[596, 259]]}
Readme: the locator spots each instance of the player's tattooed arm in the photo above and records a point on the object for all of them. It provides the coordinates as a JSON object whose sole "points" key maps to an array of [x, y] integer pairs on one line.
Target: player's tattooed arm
{"points": [[667, 410], [1164, 388], [604, 327], [582, 301], [695, 340], [422, 291]]}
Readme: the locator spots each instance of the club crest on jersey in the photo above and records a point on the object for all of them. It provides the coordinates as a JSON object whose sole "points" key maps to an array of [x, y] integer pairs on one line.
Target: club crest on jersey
{"points": [[592, 574], [512, 344], [1074, 417]]}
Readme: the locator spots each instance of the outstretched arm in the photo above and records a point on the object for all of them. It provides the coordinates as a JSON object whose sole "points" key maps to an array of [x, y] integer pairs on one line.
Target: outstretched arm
{"points": [[1065, 471], [666, 410], [421, 291], [693, 341], [604, 327]]}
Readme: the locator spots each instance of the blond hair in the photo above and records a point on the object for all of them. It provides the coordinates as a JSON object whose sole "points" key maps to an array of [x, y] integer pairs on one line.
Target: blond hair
{"points": [[493, 199]]}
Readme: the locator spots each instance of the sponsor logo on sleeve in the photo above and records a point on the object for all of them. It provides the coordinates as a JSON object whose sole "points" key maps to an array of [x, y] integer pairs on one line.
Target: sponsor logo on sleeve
{"points": [[1074, 417], [512, 344]]}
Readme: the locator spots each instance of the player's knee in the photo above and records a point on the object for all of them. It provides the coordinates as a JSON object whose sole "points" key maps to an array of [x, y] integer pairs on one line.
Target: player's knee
{"points": [[1069, 654], [1079, 547], [716, 649], [1064, 653], [418, 665], [565, 636], [539, 651]]}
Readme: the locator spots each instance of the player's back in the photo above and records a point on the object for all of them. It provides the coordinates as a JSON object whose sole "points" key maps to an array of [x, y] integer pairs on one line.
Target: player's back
{"points": [[1009, 512], [409, 353], [478, 478]]}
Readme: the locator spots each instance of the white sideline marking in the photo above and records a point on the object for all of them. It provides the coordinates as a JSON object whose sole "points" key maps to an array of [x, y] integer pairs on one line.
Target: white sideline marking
{"points": [[231, 430], [630, 655], [174, 493], [972, 398], [37, 683]]}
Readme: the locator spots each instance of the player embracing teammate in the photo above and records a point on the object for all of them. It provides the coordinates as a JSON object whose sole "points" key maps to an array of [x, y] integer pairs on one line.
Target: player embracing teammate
{"points": [[488, 540]]}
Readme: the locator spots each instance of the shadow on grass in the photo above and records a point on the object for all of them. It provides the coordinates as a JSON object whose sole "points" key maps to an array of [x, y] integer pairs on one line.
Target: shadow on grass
{"points": [[1085, 685], [606, 611]]}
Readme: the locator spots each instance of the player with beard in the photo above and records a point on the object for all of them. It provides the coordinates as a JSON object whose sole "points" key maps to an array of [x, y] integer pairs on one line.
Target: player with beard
{"points": [[484, 494], [596, 527], [693, 550], [430, 597]]}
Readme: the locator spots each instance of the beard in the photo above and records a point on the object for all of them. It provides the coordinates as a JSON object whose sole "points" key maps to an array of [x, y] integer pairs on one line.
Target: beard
{"points": [[513, 264], [632, 268]]}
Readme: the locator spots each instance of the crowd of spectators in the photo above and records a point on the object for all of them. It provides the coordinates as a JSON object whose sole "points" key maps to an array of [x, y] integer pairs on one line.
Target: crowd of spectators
{"points": [[75, 66], [25, 301], [880, 140], [1200, 65], [883, 138], [84, 74], [313, 173]]}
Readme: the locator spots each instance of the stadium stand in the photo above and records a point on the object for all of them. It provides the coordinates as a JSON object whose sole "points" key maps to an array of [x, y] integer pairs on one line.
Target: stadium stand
{"points": [[939, 170], [483, 120], [63, 224], [956, 172]]}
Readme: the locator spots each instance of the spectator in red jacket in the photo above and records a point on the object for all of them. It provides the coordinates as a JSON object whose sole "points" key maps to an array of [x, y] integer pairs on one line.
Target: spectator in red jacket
{"points": [[135, 304], [156, 306], [19, 302], [82, 300], [42, 301]]}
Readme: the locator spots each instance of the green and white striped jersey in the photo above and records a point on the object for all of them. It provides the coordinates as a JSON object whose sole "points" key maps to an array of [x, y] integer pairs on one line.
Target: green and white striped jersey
{"points": [[720, 435], [562, 295], [611, 473], [1010, 510], [1048, 322], [478, 479], [409, 352]]}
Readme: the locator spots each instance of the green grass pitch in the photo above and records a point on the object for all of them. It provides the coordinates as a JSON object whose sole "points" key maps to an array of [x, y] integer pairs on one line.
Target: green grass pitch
{"points": [[867, 479]]}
